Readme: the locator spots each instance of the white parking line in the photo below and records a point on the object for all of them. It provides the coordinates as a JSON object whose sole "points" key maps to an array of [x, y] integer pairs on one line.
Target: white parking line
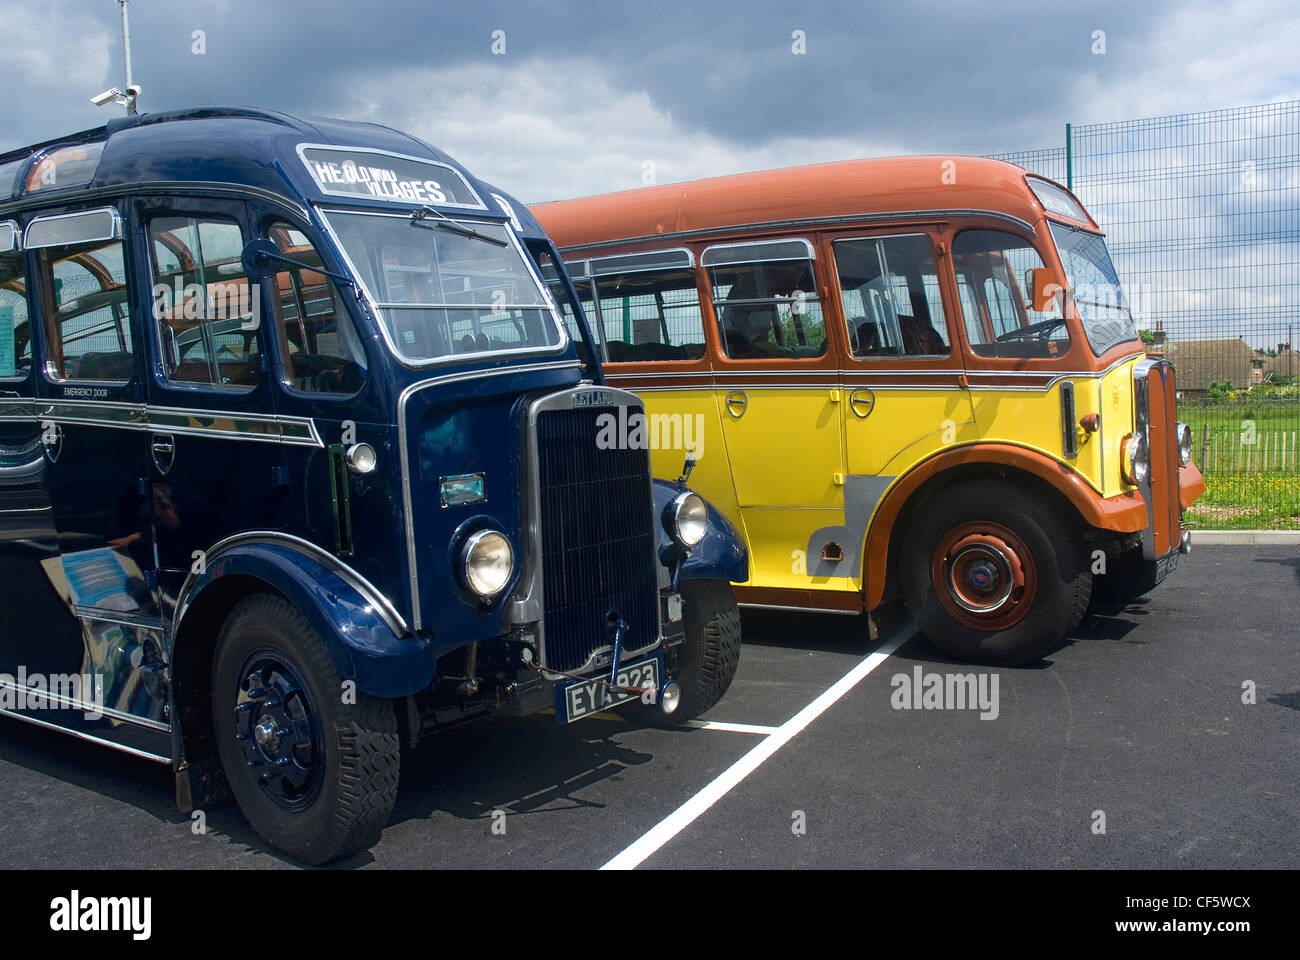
{"points": [[731, 727], [725, 782]]}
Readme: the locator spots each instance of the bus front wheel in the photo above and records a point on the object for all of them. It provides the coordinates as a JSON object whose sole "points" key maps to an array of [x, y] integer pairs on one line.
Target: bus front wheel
{"points": [[709, 654], [993, 574], [313, 765]]}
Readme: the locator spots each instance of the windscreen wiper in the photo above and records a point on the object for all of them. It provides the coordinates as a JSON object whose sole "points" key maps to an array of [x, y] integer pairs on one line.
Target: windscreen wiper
{"points": [[420, 214]]}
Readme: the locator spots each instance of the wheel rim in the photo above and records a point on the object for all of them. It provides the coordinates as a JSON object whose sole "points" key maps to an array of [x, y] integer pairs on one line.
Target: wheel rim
{"points": [[278, 731], [984, 575]]}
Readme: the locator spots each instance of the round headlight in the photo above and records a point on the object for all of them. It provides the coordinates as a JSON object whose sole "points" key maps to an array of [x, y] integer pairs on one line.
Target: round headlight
{"points": [[489, 561], [1184, 434], [361, 458], [1134, 462], [688, 519]]}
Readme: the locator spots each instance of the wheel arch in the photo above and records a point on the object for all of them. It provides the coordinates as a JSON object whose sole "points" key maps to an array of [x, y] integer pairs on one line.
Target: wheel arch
{"points": [[363, 639], [721, 555], [1071, 494]]}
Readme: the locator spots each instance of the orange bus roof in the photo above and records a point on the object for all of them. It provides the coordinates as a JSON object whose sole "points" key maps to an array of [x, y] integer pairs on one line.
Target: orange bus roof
{"points": [[845, 188]]}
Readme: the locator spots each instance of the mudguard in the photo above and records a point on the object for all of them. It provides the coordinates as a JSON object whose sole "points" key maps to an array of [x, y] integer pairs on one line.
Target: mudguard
{"points": [[721, 555], [369, 645]]}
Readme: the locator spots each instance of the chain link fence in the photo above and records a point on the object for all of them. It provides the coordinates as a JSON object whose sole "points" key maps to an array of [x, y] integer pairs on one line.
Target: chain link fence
{"points": [[1202, 216]]}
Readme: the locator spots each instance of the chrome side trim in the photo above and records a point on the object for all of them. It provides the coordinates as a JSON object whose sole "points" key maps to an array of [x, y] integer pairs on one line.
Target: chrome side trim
{"points": [[152, 624], [28, 718], [846, 220], [405, 453], [231, 425], [383, 606], [84, 706], [195, 188]]}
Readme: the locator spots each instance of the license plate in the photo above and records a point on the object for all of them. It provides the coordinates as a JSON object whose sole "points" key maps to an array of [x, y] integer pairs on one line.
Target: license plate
{"points": [[583, 698], [1166, 566]]}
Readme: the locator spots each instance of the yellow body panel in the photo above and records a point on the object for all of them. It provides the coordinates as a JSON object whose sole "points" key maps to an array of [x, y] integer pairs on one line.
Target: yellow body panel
{"points": [[777, 472], [785, 446], [904, 427], [712, 473]]}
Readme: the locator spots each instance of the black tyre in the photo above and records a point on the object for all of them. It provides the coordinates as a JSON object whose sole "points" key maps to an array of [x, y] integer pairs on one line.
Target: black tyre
{"points": [[314, 774], [994, 574], [709, 655]]}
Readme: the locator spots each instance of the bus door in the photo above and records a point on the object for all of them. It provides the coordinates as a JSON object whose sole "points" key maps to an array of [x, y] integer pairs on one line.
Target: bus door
{"points": [[776, 383], [92, 422], [327, 403], [46, 638], [905, 395], [215, 460]]}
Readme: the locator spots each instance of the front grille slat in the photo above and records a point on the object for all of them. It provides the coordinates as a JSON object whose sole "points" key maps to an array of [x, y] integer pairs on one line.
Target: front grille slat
{"points": [[598, 543]]}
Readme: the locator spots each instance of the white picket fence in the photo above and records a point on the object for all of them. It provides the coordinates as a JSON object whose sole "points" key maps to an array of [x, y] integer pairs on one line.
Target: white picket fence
{"points": [[1237, 451]]}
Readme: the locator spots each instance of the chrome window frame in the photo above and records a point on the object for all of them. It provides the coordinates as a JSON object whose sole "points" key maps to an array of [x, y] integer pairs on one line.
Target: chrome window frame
{"points": [[369, 302], [643, 262], [14, 243], [705, 259], [884, 269], [115, 228]]}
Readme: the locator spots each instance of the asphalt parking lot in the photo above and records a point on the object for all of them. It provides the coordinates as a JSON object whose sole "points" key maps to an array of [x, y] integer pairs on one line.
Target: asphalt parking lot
{"points": [[1140, 718]]}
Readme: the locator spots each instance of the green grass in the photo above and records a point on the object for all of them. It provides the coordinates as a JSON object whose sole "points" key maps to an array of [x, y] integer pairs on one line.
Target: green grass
{"points": [[1242, 498], [1248, 502]]}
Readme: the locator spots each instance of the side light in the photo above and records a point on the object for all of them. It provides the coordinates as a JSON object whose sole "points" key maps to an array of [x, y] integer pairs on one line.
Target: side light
{"points": [[362, 458]]}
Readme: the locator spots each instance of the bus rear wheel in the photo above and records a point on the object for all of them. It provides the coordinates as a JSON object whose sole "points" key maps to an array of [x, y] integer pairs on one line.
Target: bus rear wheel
{"points": [[314, 771], [993, 574]]}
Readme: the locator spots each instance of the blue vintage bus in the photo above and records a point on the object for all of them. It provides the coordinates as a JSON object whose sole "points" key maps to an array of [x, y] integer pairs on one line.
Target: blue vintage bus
{"points": [[299, 462]]}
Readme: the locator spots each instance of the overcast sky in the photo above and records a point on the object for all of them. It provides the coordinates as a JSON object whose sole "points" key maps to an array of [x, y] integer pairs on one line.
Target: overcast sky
{"points": [[563, 98], [587, 93]]}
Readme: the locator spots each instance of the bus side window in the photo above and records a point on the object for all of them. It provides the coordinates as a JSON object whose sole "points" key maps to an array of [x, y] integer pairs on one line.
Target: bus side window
{"points": [[992, 267], [652, 315], [765, 299], [207, 324], [87, 319], [15, 331], [319, 345], [890, 293]]}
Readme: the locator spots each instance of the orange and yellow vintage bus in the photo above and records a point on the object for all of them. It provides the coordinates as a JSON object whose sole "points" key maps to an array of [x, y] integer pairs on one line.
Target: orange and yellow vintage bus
{"points": [[911, 378]]}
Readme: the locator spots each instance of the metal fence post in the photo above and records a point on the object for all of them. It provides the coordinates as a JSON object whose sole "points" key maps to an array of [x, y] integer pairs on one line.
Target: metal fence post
{"points": [[1069, 157]]}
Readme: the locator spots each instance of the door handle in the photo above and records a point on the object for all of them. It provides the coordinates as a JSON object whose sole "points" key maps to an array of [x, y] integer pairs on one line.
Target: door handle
{"points": [[862, 402], [737, 403], [164, 451]]}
